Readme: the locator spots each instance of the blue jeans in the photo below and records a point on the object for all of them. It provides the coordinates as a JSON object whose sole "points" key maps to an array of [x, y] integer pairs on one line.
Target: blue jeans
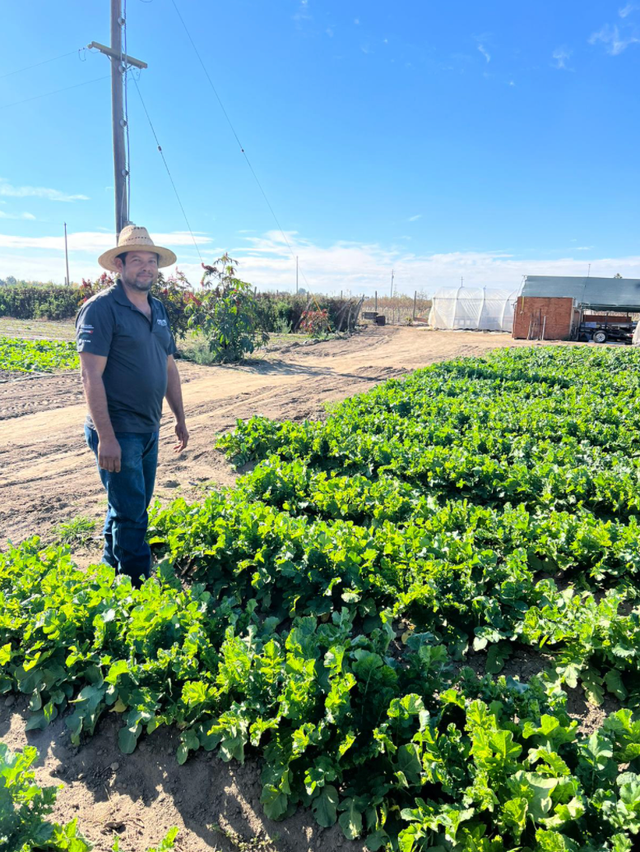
{"points": [[129, 493]]}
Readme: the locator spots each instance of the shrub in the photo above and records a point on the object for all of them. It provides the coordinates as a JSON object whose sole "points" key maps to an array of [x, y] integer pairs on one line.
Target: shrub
{"points": [[315, 323], [284, 309], [51, 301], [226, 313]]}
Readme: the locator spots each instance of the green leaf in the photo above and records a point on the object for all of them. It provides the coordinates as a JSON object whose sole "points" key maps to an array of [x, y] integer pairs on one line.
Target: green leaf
{"points": [[351, 820], [39, 720], [592, 684], [274, 801], [496, 657], [128, 739], [409, 763], [613, 681], [324, 806], [377, 840], [514, 815]]}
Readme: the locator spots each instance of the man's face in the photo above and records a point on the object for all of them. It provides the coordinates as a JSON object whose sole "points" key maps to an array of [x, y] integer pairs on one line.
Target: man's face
{"points": [[140, 270]]}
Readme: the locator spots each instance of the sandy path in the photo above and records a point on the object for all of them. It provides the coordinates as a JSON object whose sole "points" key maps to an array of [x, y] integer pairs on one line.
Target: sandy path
{"points": [[48, 475]]}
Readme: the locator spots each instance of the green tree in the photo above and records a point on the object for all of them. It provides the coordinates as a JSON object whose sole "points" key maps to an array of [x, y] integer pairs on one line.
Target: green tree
{"points": [[227, 313]]}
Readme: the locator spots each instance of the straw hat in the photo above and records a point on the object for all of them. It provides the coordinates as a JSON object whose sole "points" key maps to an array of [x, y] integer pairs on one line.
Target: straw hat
{"points": [[134, 238]]}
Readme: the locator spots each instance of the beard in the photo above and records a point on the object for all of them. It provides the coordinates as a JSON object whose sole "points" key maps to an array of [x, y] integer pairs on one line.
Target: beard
{"points": [[139, 282]]}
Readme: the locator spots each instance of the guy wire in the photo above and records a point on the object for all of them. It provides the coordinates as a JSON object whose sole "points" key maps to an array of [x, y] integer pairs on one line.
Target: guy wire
{"points": [[233, 130], [155, 136]]}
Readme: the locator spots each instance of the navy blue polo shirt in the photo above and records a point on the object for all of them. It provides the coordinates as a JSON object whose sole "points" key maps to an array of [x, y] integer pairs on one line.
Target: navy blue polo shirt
{"points": [[136, 348]]}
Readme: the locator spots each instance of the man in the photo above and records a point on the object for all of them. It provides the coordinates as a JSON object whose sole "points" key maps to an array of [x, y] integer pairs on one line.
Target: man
{"points": [[126, 360]]}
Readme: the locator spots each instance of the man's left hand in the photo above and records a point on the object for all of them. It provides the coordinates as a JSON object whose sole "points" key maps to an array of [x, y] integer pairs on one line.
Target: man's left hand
{"points": [[182, 435]]}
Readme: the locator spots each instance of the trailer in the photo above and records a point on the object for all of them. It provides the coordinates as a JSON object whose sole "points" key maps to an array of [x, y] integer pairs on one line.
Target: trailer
{"points": [[606, 328]]}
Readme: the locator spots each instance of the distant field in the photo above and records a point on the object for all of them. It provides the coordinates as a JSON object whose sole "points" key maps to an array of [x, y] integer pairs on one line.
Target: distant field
{"points": [[36, 356], [194, 348], [36, 329], [399, 309]]}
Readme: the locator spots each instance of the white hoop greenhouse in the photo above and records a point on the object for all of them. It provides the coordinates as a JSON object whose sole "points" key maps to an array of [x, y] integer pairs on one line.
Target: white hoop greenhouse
{"points": [[474, 308]]}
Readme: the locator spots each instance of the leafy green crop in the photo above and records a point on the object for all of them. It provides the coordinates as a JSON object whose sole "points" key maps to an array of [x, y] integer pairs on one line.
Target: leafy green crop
{"points": [[27, 356], [24, 806], [478, 512]]}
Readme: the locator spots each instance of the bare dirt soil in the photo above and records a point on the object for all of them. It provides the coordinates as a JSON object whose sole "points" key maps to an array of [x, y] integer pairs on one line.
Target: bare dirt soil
{"points": [[48, 476]]}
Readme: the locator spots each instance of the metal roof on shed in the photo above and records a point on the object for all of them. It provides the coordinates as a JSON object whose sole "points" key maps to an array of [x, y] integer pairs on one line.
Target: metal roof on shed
{"points": [[602, 293]]}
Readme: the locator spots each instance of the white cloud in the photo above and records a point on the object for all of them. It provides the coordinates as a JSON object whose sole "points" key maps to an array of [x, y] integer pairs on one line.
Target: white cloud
{"points": [[615, 42], [511, 83], [583, 248], [4, 215], [329, 32], [94, 241], [267, 263], [628, 9], [414, 218], [356, 21], [560, 58], [303, 13], [8, 189], [484, 52]]}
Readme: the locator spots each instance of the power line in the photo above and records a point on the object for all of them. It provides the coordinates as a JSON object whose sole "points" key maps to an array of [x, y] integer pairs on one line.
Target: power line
{"points": [[44, 62], [57, 91], [233, 130], [155, 136]]}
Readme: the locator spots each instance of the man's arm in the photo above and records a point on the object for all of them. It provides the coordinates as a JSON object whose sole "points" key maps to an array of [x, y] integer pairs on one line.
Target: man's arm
{"points": [[174, 398], [92, 367]]}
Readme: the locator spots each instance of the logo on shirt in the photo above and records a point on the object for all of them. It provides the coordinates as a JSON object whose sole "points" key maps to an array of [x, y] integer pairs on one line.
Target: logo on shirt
{"points": [[161, 321]]}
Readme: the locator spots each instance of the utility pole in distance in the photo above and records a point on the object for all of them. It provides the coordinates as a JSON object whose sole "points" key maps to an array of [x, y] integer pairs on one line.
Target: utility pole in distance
{"points": [[66, 255], [119, 63]]}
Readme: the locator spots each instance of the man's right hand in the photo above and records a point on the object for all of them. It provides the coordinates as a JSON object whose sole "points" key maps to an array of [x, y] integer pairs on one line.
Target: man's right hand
{"points": [[109, 454]]}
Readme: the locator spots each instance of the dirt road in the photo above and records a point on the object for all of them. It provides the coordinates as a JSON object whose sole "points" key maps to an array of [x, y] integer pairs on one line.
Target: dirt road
{"points": [[48, 475]]}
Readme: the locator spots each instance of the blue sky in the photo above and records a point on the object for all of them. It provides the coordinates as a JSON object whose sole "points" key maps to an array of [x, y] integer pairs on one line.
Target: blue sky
{"points": [[440, 139]]}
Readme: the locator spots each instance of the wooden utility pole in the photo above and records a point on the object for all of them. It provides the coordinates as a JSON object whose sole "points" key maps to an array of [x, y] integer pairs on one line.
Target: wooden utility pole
{"points": [[119, 65], [66, 255], [392, 283]]}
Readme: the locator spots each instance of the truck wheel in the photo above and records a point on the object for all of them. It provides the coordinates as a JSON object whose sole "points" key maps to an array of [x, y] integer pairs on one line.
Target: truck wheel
{"points": [[600, 336]]}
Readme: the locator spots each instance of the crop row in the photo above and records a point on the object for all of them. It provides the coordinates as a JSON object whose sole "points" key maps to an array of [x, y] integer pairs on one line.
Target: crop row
{"points": [[36, 356], [397, 744], [333, 599]]}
